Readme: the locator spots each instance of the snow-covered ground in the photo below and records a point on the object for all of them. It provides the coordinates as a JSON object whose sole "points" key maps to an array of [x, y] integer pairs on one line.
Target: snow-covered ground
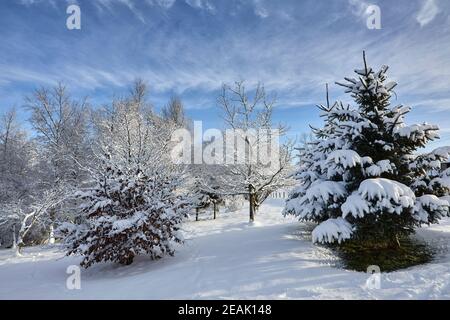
{"points": [[227, 259]]}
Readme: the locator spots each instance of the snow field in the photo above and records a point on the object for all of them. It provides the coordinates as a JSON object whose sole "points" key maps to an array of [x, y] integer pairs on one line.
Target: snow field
{"points": [[228, 259]]}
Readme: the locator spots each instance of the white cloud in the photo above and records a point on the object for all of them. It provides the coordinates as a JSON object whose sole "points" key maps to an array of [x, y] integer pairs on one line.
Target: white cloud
{"points": [[166, 4], [358, 7], [260, 10], [131, 6], [428, 12], [289, 62], [202, 4], [50, 2]]}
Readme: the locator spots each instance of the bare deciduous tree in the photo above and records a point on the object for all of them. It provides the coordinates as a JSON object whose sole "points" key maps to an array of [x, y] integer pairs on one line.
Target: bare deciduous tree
{"points": [[174, 112], [249, 116], [61, 126]]}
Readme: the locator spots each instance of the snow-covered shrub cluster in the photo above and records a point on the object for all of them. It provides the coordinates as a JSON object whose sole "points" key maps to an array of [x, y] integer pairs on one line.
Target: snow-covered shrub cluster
{"points": [[206, 192], [362, 178], [234, 203]]}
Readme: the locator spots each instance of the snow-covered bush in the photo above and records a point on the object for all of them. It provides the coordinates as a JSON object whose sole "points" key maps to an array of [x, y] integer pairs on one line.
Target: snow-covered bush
{"points": [[361, 178], [206, 192], [125, 215], [234, 203]]}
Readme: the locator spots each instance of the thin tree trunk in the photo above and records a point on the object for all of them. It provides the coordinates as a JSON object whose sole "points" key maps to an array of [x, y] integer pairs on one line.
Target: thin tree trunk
{"points": [[251, 202], [19, 250], [19, 245], [51, 237], [215, 209], [14, 245], [398, 241], [196, 214], [252, 208]]}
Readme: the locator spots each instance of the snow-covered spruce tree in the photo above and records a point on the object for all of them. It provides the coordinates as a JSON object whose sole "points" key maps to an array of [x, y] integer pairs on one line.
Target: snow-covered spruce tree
{"points": [[427, 174], [360, 179], [306, 200], [126, 214], [133, 206]]}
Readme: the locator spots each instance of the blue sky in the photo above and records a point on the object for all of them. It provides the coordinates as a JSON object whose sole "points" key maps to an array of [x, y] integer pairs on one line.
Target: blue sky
{"points": [[191, 47]]}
